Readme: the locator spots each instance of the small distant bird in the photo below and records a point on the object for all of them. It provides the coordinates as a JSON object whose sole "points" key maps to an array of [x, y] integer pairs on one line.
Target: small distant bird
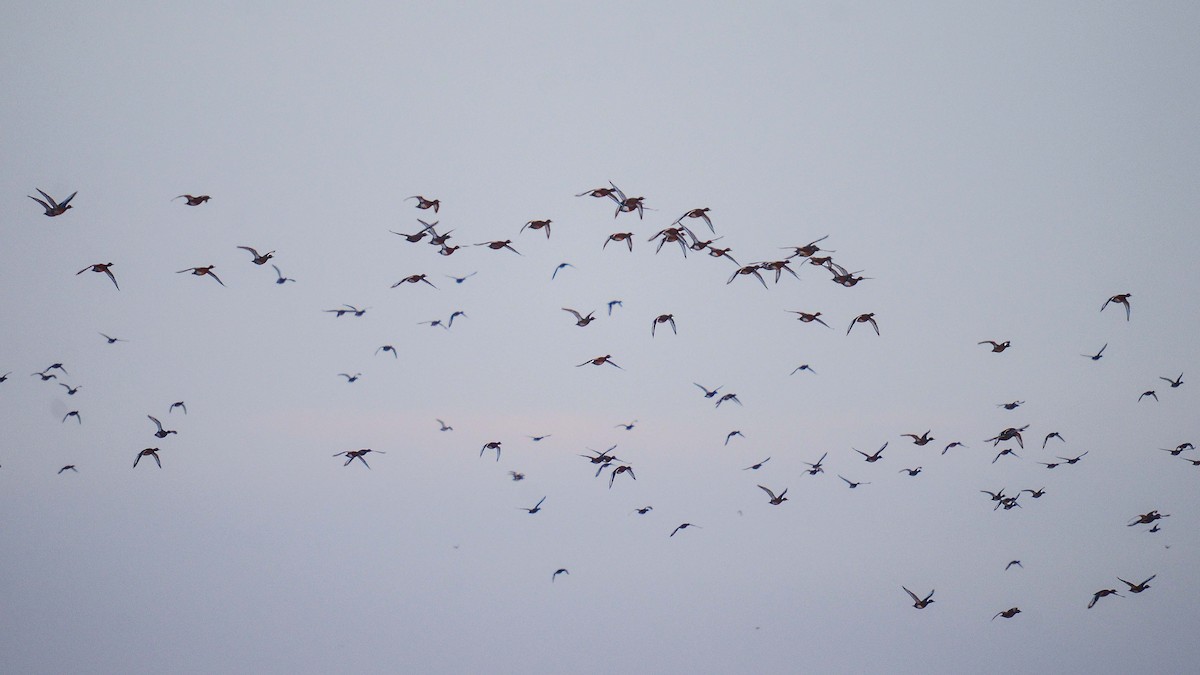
{"points": [[44, 375], [911, 472], [423, 203], [1008, 613], [1175, 382], [491, 445], [626, 426], [1012, 405], [112, 340], [598, 192], [1101, 594], [279, 278], [920, 603], [436, 323], [614, 303], [745, 271], [878, 455], [56, 366], [923, 439], [350, 378], [997, 346], [497, 245], [71, 391], [443, 425], [643, 511], [202, 271], [177, 404], [599, 361], [618, 237], [806, 317], [708, 393], [1052, 434], [663, 318], [161, 433], [414, 279], [1074, 459], [75, 414], [259, 258], [618, 471], [148, 452], [808, 250], [818, 467], [1148, 393], [561, 570], [697, 213], [869, 317], [535, 439], [1121, 299], [536, 507], [105, 268], [1006, 451], [516, 476], [387, 348], [1035, 494], [1098, 355], [954, 444], [538, 225], [459, 280], [360, 455], [52, 207], [1013, 562], [732, 434], [728, 397], [348, 309], [72, 468], [1147, 518], [192, 200], [756, 467], [775, 500], [1133, 588], [803, 366], [852, 484], [684, 526], [561, 267], [5, 376], [581, 320]]}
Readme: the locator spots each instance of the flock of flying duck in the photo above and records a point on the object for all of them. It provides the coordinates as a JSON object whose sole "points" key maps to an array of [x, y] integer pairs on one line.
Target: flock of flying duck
{"points": [[680, 234]]}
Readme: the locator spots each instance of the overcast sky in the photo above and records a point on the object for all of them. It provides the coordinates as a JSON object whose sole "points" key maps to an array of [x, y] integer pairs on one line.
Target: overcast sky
{"points": [[997, 170]]}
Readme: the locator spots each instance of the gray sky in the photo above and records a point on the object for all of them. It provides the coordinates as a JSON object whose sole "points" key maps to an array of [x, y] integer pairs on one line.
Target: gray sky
{"points": [[997, 169]]}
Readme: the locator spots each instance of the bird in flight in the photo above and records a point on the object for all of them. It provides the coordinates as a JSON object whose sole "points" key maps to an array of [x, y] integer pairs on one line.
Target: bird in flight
{"points": [[1052, 434], [1102, 594], [517, 476], [869, 317], [732, 434], [614, 303], [1121, 299], [923, 439], [626, 237], [443, 425], [1149, 392], [561, 267], [497, 245], [112, 340], [1133, 588], [775, 500], [360, 455], [148, 452], [953, 444], [161, 433], [814, 469], [193, 200], [202, 271], [52, 207], [259, 258], [387, 348], [919, 603], [279, 278], [459, 280], [697, 213], [911, 472], [997, 346], [536, 507], [728, 397], [708, 393], [538, 225], [851, 483], [624, 468], [806, 317], [581, 320], [350, 378], [803, 366], [878, 455], [71, 467], [1008, 613], [423, 203], [491, 445], [599, 361], [626, 426], [561, 570], [75, 414], [684, 526], [105, 268], [745, 271], [663, 318], [1175, 382], [71, 391], [642, 511], [177, 404], [1013, 562], [414, 279]]}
